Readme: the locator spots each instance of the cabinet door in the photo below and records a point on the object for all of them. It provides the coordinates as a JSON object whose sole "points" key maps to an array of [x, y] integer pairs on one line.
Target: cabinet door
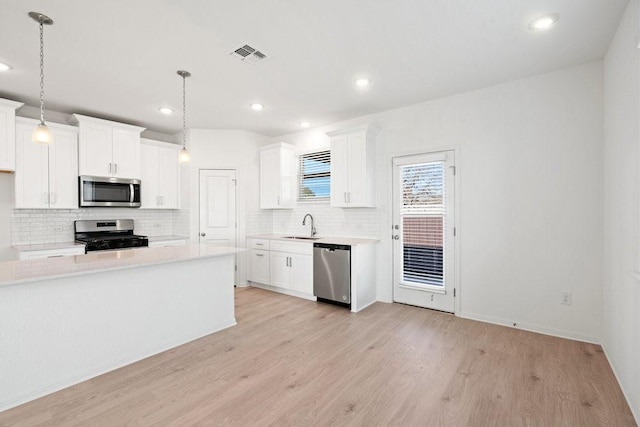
{"points": [[259, 266], [126, 153], [168, 178], [95, 150], [149, 189], [285, 179], [7, 138], [32, 171], [279, 274], [63, 170], [357, 169], [339, 170], [269, 179], [301, 273]]}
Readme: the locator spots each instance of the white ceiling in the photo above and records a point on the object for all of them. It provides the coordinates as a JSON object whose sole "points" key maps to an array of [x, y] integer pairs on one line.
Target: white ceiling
{"points": [[117, 59]]}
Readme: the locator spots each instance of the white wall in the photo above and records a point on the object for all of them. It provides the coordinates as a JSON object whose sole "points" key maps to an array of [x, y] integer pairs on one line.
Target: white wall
{"points": [[227, 149], [621, 293], [6, 200], [530, 194]]}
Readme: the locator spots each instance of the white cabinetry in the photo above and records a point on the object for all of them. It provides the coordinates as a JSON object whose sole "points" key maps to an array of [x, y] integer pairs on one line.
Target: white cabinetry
{"points": [[166, 242], [291, 266], [46, 174], [108, 148], [277, 176], [7, 134], [282, 266], [160, 175], [258, 261], [51, 253], [353, 171]]}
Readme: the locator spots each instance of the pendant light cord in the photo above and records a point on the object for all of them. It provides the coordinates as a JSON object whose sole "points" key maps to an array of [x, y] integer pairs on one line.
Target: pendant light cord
{"points": [[184, 112], [41, 72]]}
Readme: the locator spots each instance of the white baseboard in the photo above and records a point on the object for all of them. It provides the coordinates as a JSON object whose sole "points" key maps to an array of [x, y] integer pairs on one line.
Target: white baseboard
{"points": [[634, 411], [531, 328], [289, 292]]}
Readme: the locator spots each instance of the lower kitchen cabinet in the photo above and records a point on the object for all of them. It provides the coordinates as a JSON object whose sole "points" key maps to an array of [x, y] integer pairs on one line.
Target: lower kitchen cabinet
{"points": [[50, 253], [259, 266], [285, 267]]}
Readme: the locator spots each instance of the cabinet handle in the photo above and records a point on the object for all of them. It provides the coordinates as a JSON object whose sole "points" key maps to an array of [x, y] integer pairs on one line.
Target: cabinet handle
{"points": [[110, 168], [55, 256], [157, 200], [259, 254], [349, 197], [290, 262], [116, 166], [287, 261], [259, 244], [345, 197], [162, 200], [278, 200]]}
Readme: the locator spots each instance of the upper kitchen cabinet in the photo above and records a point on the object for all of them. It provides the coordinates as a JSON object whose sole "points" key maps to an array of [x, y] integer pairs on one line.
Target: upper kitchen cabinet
{"points": [[8, 134], [108, 148], [46, 174], [353, 167], [160, 175], [276, 176]]}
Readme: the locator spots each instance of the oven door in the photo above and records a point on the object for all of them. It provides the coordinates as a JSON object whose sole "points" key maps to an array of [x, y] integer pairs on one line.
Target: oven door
{"points": [[109, 192]]}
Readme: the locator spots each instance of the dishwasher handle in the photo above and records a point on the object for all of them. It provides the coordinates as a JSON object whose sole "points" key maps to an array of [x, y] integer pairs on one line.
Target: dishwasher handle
{"points": [[332, 247]]}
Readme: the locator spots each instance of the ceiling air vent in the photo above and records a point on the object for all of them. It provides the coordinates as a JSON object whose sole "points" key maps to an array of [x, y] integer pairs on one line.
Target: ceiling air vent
{"points": [[248, 54]]}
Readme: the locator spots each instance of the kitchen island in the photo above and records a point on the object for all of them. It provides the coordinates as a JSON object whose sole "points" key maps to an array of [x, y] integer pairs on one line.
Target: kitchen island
{"points": [[65, 320]]}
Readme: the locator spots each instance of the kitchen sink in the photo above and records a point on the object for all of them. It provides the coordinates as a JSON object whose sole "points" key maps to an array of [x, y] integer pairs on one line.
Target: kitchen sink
{"points": [[301, 238]]}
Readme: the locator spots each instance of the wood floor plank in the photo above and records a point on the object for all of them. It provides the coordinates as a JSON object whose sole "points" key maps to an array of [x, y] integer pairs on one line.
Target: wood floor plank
{"points": [[296, 362]]}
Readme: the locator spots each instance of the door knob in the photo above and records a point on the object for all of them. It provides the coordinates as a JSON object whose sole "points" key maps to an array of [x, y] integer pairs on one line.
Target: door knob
{"points": [[203, 234], [396, 237]]}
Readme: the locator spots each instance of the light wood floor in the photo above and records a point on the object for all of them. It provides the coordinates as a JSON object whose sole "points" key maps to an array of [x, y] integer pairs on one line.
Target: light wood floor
{"points": [[294, 362]]}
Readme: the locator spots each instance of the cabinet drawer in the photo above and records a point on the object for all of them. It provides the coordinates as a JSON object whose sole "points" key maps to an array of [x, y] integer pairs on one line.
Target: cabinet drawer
{"points": [[260, 244], [52, 253], [302, 248], [163, 243]]}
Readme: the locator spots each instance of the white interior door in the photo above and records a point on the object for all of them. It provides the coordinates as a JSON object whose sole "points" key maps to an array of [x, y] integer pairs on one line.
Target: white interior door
{"points": [[218, 207], [423, 230]]}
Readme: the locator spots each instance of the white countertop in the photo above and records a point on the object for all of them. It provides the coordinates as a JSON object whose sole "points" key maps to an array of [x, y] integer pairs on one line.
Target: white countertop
{"points": [[352, 241], [166, 238], [46, 246], [13, 272]]}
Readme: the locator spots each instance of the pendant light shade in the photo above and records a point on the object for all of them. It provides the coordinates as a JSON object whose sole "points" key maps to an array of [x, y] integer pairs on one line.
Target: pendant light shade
{"points": [[184, 154], [41, 133]]}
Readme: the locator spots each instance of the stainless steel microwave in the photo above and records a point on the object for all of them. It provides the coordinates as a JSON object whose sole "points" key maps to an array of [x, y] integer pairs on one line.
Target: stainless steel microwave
{"points": [[98, 191]]}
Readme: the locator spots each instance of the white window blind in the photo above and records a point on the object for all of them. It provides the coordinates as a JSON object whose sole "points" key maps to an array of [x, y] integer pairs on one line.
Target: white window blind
{"points": [[423, 223], [315, 176]]}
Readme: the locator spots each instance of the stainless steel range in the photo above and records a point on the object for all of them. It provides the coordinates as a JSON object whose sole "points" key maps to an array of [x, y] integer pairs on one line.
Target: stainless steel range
{"points": [[104, 235]]}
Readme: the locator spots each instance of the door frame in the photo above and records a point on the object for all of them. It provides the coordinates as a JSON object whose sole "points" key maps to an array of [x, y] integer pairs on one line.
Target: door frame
{"points": [[237, 227], [456, 215]]}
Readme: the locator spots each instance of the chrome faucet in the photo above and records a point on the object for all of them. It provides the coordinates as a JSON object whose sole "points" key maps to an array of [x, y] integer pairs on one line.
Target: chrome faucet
{"points": [[304, 222]]}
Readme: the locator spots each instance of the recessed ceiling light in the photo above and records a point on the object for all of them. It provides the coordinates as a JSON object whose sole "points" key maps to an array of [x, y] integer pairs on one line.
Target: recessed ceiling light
{"points": [[166, 110], [544, 22], [4, 67], [257, 107], [363, 81], [305, 124]]}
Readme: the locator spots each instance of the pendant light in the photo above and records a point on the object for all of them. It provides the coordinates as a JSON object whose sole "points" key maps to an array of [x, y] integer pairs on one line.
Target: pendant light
{"points": [[41, 134], [184, 154]]}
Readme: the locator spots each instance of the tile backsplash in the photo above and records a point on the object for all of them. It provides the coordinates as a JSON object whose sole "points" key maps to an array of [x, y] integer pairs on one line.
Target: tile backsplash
{"points": [[329, 221], [32, 226]]}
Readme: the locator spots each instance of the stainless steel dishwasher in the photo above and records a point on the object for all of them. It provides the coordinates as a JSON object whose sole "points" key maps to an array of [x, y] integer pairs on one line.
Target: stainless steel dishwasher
{"points": [[332, 273]]}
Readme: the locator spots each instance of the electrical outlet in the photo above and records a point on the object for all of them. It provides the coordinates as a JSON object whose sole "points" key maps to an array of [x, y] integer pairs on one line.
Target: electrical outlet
{"points": [[566, 298], [58, 228]]}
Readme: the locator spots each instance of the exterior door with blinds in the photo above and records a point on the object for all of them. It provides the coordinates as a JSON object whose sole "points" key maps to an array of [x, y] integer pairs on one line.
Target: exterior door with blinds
{"points": [[423, 230]]}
